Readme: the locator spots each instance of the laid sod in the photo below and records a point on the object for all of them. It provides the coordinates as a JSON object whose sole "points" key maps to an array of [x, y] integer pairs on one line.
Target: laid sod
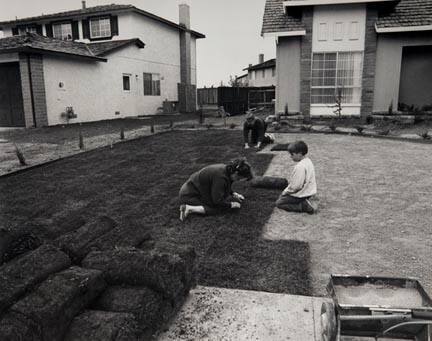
{"points": [[136, 184]]}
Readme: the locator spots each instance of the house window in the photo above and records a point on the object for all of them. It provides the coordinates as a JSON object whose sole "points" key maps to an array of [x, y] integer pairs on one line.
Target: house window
{"points": [[100, 28], [126, 82], [336, 70], [273, 71], [62, 31], [263, 73], [151, 84], [29, 29]]}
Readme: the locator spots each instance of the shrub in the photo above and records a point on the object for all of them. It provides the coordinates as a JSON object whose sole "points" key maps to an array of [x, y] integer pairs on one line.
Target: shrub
{"points": [[360, 129], [390, 108], [81, 140], [425, 135], [122, 136], [232, 125], [152, 130], [286, 109], [20, 156], [306, 127], [209, 126], [333, 127], [384, 131]]}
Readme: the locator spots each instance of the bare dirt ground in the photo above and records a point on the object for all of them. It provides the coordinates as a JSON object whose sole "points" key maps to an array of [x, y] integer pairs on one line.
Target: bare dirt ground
{"points": [[375, 208]]}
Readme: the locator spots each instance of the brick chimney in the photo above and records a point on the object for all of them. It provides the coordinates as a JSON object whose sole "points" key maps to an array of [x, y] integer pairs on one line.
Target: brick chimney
{"points": [[186, 91], [184, 14], [261, 58], [83, 4]]}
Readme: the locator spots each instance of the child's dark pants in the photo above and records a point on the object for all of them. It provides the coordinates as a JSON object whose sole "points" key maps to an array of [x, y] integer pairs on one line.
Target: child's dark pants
{"points": [[290, 203]]}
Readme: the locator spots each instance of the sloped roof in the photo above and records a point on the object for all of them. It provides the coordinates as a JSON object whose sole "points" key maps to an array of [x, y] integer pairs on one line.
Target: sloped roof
{"points": [[97, 10], [267, 64], [275, 19], [406, 13], [104, 47], [37, 43], [32, 42]]}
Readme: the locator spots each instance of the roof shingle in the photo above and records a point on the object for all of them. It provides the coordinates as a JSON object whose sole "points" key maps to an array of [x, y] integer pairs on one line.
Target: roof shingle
{"points": [[406, 13], [102, 48], [275, 19]]}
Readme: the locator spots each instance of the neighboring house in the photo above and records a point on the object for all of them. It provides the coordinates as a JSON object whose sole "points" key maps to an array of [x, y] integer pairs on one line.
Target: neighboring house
{"points": [[377, 52], [263, 73], [242, 80], [95, 63]]}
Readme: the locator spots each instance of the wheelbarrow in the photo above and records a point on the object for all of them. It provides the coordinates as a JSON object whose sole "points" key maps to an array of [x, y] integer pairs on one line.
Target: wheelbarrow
{"points": [[378, 307]]}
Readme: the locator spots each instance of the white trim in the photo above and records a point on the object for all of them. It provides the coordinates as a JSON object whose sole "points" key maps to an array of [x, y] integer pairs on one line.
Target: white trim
{"points": [[296, 3], [402, 29], [284, 34]]}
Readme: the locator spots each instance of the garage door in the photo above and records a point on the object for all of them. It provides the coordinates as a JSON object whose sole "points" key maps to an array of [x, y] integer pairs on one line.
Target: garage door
{"points": [[416, 76], [11, 102]]}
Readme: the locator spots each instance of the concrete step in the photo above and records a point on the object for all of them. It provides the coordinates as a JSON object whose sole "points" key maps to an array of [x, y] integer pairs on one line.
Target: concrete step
{"points": [[229, 314]]}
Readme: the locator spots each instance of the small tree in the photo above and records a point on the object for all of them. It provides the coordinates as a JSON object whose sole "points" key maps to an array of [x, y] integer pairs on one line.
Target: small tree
{"points": [[234, 81], [20, 156], [122, 136], [81, 140], [390, 108], [286, 109], [152, 129]]}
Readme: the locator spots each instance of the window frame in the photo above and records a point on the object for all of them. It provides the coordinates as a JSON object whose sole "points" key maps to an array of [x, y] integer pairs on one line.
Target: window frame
{"points": [[129, 76], [154, 87], [98, 19], [27, 29], [61, 24], [351, 93]]}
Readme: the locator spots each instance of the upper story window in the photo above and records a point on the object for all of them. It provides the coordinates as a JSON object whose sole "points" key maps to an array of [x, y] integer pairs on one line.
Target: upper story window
{"points": [[100, 28], [29, 29], [273, 71], [263, 73], [62, 31]]}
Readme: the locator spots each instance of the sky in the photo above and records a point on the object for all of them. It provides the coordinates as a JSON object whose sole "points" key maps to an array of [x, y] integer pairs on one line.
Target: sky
{"points": [[232, 29]]}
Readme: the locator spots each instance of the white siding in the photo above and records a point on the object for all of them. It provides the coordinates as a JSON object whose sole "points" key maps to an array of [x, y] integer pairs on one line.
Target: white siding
{"points": [[338, 28], [95, 89]]}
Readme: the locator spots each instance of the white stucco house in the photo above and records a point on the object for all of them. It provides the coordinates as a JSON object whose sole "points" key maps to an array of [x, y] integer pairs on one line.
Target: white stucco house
{"points": [[261, 74], [95, 63], [377, 53]]}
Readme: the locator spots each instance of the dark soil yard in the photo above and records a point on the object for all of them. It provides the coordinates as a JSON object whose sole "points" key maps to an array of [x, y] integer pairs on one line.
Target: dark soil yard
{"points": [[136, 183]]}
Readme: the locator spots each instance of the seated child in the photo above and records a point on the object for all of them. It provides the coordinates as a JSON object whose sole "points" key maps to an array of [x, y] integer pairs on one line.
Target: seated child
{"points": [[301, 184]]}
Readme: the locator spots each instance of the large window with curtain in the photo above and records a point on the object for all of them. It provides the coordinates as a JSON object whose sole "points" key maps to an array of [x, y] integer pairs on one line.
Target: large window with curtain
{"points": [[336, 74]]}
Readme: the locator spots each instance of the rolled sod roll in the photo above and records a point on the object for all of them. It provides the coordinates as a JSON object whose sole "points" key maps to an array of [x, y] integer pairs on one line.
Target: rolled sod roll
{"points": [[270, 182]]}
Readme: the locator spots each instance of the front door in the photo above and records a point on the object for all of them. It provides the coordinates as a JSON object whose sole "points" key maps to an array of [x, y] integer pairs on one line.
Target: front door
{"points": [[11, 101]]}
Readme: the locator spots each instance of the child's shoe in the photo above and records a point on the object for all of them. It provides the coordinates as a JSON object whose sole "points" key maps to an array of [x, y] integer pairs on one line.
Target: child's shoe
{"points": [[309, 207]]}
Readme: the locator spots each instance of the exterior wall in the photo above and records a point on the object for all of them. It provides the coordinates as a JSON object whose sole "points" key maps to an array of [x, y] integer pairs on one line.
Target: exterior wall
{"points": [[369, 62], [7, 31], [388, 65], [33, 83], [305, 63], [95, 89], [161, 53], [288, 74], [9, 57], [258, 79]]}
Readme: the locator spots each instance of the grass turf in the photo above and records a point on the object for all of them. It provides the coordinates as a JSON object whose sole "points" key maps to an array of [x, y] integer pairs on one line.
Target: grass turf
{"points": [[137, 182]]}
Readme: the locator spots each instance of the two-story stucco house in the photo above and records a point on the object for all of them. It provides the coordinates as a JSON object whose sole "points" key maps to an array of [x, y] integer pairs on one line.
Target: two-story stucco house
{"points": [[104, 62], [373, 52], [263, 73]]}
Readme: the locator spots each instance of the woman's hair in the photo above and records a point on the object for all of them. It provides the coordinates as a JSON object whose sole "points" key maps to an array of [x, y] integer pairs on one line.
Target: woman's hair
{"points": [[241, 167], [298, 147]]}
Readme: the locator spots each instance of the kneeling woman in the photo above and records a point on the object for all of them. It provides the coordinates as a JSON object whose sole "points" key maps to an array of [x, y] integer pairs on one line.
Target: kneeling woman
{"points": [[208, 191]]}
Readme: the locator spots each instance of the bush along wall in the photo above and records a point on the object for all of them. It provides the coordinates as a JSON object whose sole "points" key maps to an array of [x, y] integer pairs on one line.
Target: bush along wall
{"points": [[91, 280]]}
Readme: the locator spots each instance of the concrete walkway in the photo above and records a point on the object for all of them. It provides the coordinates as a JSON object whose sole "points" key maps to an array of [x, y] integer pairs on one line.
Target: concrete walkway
{"points": [[228, 314]]}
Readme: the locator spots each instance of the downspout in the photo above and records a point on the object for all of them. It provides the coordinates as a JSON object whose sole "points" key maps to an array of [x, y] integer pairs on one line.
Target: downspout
{"points": [[31, 90]]}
